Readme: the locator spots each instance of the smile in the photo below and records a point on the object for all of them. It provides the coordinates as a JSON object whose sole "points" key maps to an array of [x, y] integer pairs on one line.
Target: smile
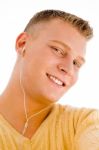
{"points": [[56, 80]]}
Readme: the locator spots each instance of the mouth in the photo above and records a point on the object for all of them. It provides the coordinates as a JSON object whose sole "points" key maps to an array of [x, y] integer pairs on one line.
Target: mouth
{"points": [[56, 80]]}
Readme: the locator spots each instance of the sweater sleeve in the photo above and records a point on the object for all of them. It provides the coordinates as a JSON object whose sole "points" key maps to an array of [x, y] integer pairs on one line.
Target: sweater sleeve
{"points": [[86, 130]]}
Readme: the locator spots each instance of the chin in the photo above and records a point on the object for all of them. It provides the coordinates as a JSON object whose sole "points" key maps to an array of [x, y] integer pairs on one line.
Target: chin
{"points": [[53, 98]]}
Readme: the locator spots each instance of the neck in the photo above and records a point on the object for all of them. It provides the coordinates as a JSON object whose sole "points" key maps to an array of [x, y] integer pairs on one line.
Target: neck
{"points": [[13, 96], [13, 102], [12, 107]]}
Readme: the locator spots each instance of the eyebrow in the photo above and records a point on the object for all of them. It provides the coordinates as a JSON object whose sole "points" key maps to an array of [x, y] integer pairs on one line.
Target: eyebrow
{"points": [[69, 48]]}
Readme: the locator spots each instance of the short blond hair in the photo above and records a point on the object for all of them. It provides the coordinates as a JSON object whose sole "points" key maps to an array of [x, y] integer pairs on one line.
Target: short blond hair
{"points": [[46, 15]]}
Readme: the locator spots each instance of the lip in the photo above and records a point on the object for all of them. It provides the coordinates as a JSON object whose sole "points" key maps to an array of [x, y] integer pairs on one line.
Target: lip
{"points": [[64, 84]]}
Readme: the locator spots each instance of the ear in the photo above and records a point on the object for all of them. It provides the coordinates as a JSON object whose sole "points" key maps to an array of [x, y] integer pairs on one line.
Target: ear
{"points": [[21, 42]]}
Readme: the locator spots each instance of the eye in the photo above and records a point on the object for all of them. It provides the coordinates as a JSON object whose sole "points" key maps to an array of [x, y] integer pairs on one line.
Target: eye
{"points": [[77, 63], [58, 51]]}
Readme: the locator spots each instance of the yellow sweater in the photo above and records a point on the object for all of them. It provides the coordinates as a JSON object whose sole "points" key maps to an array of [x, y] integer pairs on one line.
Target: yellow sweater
{"points": [[66, 128]]}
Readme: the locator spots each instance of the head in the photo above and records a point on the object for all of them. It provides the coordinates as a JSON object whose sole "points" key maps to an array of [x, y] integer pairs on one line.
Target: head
{"points": [[54, 44]]}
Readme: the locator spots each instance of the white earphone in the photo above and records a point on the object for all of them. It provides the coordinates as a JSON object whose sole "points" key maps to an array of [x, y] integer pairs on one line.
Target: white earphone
{"points": [[23, 51]]}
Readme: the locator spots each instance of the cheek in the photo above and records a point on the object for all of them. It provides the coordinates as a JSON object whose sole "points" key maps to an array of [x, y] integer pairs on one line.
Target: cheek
{"points": [[75, 78]]}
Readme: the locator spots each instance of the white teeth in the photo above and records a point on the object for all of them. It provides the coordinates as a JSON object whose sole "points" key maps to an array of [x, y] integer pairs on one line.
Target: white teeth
{"points": [[56, 80]]}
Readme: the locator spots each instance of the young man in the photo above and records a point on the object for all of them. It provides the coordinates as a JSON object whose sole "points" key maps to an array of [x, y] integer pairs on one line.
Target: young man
{"points": [[50, 51]]}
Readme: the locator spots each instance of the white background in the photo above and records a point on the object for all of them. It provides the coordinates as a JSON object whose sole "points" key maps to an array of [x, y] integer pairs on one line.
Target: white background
{"points": [[15, 14]]}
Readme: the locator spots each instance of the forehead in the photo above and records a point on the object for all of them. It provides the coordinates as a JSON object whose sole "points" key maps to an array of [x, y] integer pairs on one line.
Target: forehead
{"points": [[58, 30]]}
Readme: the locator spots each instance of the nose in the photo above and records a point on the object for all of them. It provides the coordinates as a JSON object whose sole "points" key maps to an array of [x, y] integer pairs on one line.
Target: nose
{"points": [[66, 66]]}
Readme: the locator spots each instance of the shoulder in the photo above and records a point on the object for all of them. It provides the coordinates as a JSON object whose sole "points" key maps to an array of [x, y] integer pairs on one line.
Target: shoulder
{"points": [[79, 126], [87, 132], [77, 118], [83, 125], [76, 112]]}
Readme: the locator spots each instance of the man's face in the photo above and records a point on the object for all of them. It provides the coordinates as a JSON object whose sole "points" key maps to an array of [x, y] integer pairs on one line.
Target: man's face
{"points": [[52, 60]]}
